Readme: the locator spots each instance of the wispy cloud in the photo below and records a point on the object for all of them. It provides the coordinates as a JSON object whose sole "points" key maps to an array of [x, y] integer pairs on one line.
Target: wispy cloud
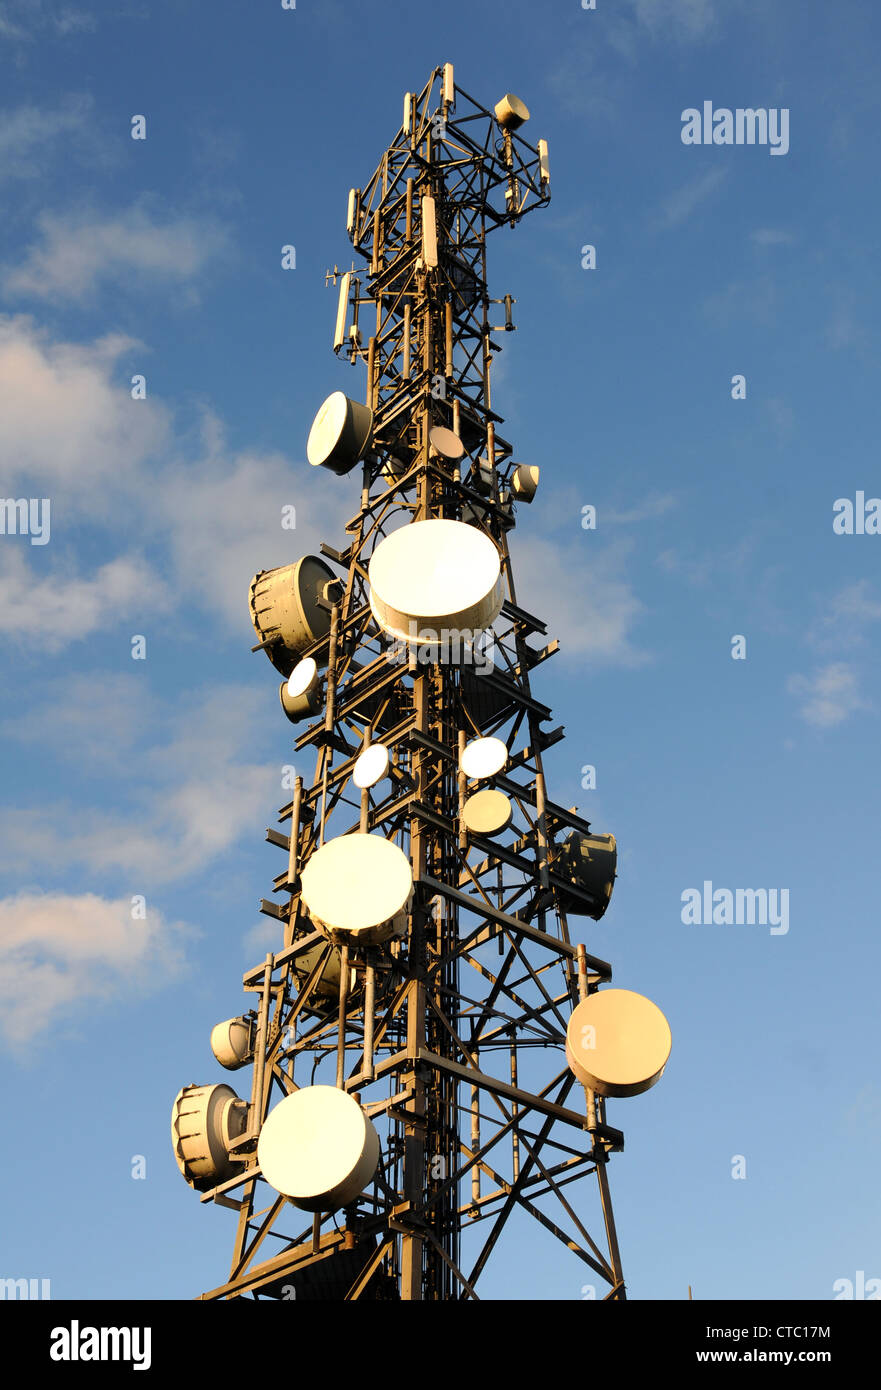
{"points": [[781, 417], [80, 251], [64, 606], [864, 1113], [236, 527], [828, 696], [771, 236], [679, 206], [30, 135], [845, 616], [752, 300], [651, 507], [24, 20], [683, 19], [66, 423], [195, 795], [93, 720], [843, 328], [582, 592], [60, 954]]}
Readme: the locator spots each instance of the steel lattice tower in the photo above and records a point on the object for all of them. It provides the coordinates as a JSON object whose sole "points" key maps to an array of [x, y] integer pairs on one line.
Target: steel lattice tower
{"points": [[451, 1037]]}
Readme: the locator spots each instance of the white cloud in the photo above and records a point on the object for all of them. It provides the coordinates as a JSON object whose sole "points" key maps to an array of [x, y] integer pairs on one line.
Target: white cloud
{"points": [[25, 19], [679, 206], [191, 799], [69, 431], [223, 518], [55, 609], [59, 954], [845, 616], [829, 696], [29, 135], [771, 236], [65, 425], [79, 251], [648, 509], [688, 19], [580, 592]]}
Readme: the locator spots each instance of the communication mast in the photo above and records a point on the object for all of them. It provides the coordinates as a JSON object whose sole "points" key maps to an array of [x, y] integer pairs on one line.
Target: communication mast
{"points": [[430, 1051]]}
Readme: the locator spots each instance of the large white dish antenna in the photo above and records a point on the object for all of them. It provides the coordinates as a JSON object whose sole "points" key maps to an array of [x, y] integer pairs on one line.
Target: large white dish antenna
{"points": [[618, 1042], [483, 757], [318, 1148], [371, 766], [359, 885], [435, 578]]}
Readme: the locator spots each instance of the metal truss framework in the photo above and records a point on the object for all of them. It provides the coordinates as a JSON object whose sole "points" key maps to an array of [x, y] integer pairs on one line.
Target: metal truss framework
{"points": [[452, 1037]]}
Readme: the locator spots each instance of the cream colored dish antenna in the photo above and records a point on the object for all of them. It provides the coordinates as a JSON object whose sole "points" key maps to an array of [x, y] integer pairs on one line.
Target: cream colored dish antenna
{"points": [[318, 1148], [488, 812], [618, 1042], [435, 577], [340, 434], [358, 885]]}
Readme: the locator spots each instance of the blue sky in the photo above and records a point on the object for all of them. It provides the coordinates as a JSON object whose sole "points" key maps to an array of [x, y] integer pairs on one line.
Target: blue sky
{"points": [[714, 519]]}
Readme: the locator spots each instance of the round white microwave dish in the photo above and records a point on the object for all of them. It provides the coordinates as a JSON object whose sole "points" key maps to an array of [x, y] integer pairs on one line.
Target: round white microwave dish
{"points": [[618, 1042], [433, 579], [318, 1148], [371, 766], [360, 885]]}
